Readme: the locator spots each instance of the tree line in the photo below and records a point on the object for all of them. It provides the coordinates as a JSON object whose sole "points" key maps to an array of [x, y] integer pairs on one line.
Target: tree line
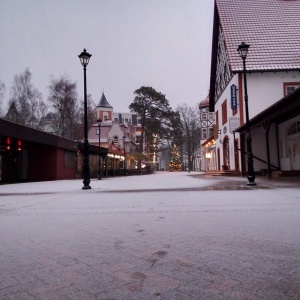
{"points": [[162, 127], [63, 104]]}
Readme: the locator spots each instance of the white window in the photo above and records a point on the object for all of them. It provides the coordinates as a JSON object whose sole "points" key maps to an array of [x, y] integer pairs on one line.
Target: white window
{"points": [[211, 116], [116, 139], [204, 133], [203, 116], [290, 87]]}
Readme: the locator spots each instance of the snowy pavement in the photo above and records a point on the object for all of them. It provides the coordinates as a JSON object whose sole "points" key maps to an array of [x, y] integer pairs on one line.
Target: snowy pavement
{"points": [[160, 236]]}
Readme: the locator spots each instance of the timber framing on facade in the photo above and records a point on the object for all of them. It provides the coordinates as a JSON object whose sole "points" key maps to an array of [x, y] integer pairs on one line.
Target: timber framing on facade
{"points": [[271, 28]]}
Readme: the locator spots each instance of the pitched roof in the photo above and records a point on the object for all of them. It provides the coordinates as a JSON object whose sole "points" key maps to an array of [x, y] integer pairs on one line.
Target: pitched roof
{"points": [[271, 27], [29, 134], [103, 102]]}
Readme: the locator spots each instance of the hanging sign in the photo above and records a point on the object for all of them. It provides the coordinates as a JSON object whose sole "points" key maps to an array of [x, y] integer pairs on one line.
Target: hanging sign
{"points": [[234, 123], [233, 96]]}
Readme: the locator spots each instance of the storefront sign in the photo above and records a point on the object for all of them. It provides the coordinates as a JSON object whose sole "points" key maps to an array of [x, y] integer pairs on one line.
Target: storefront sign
{"points": [[233, 96]]}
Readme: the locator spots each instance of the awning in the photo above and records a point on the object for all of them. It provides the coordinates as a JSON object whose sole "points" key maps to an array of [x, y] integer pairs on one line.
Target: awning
{"points": [[115, 150]]}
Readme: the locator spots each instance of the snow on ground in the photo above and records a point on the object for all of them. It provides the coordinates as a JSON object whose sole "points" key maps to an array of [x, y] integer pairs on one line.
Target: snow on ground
{"points": [[158, 180], [186, 234]]}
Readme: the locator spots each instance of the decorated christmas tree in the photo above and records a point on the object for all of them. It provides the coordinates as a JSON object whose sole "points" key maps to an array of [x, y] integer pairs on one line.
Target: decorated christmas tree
{"points": [[175, 164]]}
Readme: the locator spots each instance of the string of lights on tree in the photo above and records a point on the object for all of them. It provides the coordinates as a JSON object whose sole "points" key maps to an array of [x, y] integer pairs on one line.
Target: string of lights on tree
{"points": [[175, 164]]}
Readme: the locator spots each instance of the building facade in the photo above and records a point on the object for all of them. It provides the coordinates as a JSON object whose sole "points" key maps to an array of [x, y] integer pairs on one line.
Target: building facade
{"points": [[207, 141], [120, 133], [28, 154], [272, 68]]}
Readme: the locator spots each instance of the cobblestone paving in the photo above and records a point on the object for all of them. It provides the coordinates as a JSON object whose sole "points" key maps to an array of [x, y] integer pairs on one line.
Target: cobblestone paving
{"points": [[220, 241]]}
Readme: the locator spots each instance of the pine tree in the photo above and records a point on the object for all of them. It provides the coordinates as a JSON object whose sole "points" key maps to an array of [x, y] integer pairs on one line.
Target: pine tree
{"points": [[175, 164]]}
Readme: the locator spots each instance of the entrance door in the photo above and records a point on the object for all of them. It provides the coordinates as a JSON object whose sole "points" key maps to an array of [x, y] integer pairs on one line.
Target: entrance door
{"points": [[236, 155], [226, 161], [218, 156]]}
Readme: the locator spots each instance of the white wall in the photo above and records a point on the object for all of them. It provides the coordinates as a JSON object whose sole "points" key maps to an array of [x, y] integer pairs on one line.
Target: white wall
{"points": [[225, 128], [264, 89], [259, 147]]}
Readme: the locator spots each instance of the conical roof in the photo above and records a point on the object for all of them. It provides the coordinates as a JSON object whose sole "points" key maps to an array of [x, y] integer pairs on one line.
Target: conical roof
{"points": [[103, 102], [205, 102]]}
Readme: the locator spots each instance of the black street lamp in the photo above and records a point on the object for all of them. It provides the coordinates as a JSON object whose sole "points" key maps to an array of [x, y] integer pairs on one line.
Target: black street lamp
{"points": [[84, 59], [243, 51], [124, 137], [99, 160]]}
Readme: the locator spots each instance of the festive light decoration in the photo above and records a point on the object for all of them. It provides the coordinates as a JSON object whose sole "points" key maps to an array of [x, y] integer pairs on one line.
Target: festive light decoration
{"points": [[175, 164]]}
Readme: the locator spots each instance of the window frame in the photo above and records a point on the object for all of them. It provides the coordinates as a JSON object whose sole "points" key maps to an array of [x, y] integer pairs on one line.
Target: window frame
{"points": [[287, 85], [224, 112]]}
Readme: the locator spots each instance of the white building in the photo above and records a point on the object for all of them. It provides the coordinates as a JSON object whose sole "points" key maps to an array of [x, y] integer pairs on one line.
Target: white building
{"points": [[271, 28]]}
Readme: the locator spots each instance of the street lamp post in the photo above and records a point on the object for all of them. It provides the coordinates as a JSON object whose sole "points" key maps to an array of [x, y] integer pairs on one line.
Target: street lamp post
{"points": [[243, 51], [124, 137], [84, 59], [99, 160]]}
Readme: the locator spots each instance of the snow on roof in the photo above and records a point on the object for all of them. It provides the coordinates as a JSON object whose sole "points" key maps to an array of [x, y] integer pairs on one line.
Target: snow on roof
{"points": [[205, 102], [270, 27]]}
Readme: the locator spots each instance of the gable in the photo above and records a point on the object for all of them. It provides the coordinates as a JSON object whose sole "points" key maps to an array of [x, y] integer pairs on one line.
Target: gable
{"points": [[271, 28]]}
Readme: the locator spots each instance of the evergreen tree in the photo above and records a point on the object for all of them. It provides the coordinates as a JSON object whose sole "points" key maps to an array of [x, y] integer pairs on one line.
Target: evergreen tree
{"points": [[175, 164], [155, 112]]}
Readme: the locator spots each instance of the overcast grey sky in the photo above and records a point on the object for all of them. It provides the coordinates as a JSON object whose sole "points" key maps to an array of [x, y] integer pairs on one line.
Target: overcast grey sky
{"points": [[165, 44]]}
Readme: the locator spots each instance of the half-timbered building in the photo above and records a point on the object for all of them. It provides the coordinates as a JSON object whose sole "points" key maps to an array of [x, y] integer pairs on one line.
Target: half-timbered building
{"points": [[271, 28]]}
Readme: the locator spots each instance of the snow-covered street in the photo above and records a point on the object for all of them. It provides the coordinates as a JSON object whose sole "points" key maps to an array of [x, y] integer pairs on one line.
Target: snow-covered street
{"points": [[160, 236]]}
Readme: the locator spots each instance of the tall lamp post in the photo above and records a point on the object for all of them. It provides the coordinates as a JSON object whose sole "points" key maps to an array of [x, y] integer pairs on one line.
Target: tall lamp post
{"points": [[99, 160], [84, 59], [243, 51], [124, 137]]}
